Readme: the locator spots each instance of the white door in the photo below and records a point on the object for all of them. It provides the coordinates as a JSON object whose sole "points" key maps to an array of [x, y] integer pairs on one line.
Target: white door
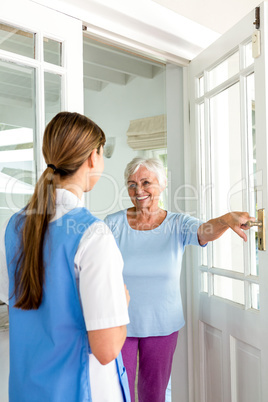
{"points": [[228, 146], [41, 73]]}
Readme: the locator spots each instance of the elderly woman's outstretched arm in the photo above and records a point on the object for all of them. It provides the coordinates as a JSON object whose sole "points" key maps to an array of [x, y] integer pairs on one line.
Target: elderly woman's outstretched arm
{"points": [[214, 228]]}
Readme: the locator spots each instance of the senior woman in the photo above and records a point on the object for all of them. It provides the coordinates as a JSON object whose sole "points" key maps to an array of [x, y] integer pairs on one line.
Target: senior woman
{"points": [[152, 243]]}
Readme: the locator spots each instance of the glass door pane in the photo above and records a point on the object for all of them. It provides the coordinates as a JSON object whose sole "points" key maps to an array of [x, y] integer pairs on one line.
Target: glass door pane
{"points": [[53, 92], [223, 71], [17, 41], [253, 176], [228, 288], [253, 239], [227, 173], [228, 158], [52, 51], [17, 137]]}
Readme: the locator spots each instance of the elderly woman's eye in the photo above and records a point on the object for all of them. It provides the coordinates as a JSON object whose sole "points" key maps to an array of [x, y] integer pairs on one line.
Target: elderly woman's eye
{"points": [[146, 183], [132, 185]]}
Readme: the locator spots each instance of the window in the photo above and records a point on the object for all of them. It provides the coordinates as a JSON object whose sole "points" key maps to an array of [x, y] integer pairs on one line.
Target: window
{"points": [[228, 182], [24, 81]]}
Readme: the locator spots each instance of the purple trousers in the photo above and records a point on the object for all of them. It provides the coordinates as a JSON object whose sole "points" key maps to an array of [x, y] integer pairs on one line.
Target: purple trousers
{"points": [[155, 362]]}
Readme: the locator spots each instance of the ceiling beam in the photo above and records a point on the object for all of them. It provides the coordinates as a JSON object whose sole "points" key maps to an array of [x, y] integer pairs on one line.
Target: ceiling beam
{"points": [[104, 74], [93, 85], [117, 61]]}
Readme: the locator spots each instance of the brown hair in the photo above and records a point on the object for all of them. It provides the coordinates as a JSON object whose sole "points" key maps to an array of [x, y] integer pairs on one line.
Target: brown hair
{"points": [[68, 141]]}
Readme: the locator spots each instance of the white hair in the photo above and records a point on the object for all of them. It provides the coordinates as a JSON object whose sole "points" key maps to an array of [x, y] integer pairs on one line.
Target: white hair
{"points": [[152, 164]]}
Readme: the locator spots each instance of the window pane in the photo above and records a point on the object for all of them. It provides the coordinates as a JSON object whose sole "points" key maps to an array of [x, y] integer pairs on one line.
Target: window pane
{"points": [[204, 282], [52, 95], [17, 134], [203, 170], [226, 159], [224, 71], [201, 86], [52, 51], [248, 54], [255, 296], [203, 159], [227, 288], [252, 233], [17, 41]]}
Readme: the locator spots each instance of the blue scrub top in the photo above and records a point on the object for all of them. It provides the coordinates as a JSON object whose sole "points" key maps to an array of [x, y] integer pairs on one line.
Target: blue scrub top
{"points": [[49, 349], [152, 268]]}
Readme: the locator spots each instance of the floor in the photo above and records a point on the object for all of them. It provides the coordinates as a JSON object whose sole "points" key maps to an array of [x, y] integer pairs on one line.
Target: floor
{"points": [[3, 317], [4, 365]]}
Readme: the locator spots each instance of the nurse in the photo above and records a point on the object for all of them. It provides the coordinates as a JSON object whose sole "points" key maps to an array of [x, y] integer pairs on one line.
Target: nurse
{"points": [[61, 274]]}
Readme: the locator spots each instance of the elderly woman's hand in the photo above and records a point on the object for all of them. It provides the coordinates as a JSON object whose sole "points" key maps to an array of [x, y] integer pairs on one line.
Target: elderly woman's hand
{"points": [[214, 228], [237, 221]]}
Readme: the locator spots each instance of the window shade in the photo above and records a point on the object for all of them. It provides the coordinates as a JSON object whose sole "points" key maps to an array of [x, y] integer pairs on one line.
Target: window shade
{"points": [[148, 133]]}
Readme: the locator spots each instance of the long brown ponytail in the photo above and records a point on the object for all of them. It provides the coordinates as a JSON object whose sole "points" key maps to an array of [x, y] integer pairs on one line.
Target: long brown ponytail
{"points": [[68, 141]]}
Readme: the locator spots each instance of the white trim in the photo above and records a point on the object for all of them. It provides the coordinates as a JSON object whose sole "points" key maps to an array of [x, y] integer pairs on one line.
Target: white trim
{"points": [[189, 321], [18, 59], [142, 49], [146, 27]]}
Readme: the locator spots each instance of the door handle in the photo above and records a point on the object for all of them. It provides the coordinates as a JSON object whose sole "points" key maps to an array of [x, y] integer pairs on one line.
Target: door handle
{"points": [[255, 223], [260, 223]]}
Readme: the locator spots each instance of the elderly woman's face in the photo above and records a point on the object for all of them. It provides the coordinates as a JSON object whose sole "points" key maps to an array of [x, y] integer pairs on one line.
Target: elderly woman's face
{"points": [[144, 189]]}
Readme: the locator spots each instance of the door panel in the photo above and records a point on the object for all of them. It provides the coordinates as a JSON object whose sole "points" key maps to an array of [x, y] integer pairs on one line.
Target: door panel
{"points": [[212, 362], [245, 371]]}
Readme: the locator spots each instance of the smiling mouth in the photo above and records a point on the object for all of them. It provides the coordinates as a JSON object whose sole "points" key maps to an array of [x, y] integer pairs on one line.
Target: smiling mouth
{"points": [[142, 198]]}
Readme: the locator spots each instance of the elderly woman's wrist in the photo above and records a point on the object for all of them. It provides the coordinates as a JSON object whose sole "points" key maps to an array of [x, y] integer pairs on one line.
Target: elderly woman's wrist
{"points": [[224, 220]]}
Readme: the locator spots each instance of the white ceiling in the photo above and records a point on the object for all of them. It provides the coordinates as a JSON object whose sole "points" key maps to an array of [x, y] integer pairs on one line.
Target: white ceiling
{"points": [[217, 15]]}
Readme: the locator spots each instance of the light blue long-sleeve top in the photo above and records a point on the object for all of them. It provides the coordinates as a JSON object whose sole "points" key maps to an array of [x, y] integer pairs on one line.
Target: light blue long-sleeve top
{"points": [[152, 268]]}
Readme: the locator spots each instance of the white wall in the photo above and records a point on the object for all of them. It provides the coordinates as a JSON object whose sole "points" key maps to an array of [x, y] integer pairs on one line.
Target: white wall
{"points": [[112, 109]]}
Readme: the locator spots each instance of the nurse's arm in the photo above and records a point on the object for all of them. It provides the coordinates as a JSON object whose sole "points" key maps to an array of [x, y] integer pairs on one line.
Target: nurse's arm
{"points": [[106, 344], [214, 228]]}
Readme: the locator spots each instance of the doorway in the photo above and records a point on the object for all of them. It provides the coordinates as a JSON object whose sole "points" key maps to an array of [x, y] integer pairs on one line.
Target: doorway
{"points": [[122, 92]]}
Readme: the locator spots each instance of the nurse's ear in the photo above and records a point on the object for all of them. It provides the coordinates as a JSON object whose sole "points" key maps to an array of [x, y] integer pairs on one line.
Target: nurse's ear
{"points": [[92, 159]]}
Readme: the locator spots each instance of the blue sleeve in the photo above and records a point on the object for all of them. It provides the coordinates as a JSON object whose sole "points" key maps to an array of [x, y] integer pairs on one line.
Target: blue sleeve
{"points": [[107, 221], [110, 223], [188, 227]]}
